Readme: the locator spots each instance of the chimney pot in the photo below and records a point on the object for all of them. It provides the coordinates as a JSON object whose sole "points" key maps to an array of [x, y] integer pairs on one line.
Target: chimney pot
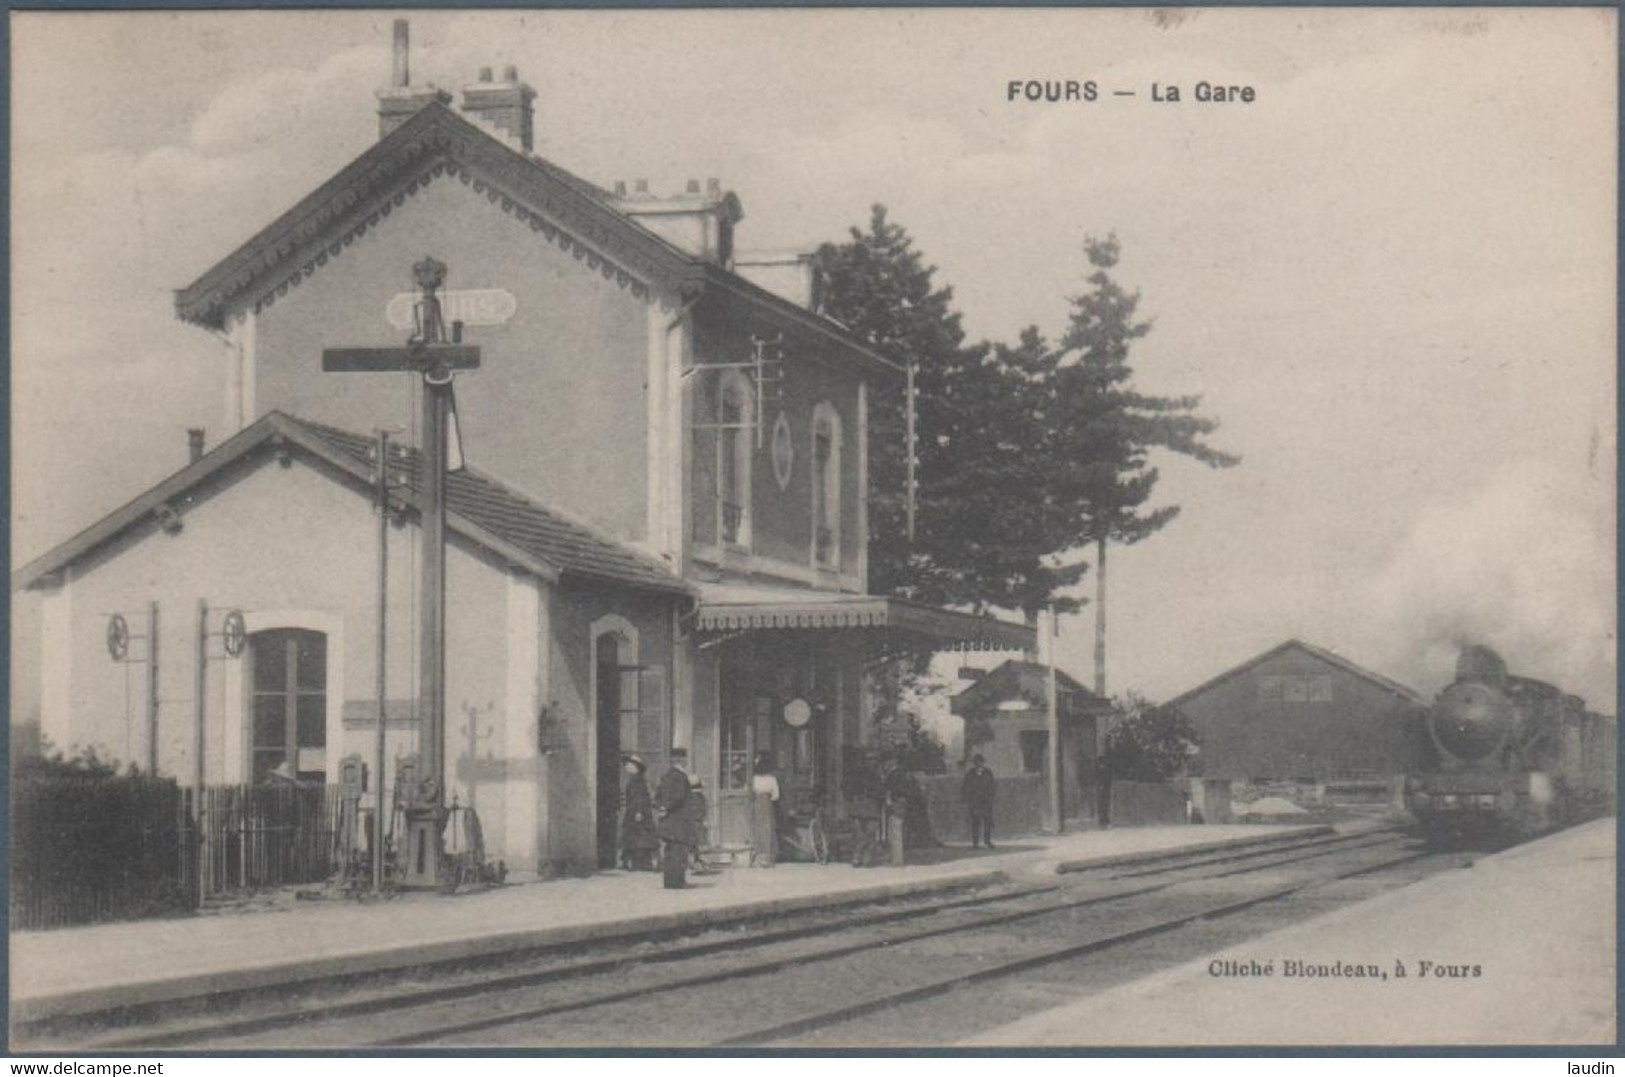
{"points": [[510, 73], [693, 186], [713, 186], [620, 188], [642, 186], [194, 443], [507, 106]]}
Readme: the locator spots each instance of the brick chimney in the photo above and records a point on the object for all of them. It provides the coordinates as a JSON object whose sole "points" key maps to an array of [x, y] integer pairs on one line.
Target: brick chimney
{"points": [[194, 444], [401, 101], [505, 105], [701, 222], [789, 274]]}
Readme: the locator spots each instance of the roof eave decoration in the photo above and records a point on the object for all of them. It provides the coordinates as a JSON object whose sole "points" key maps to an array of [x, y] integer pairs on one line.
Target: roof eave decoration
{"points": [[437, 143], [959, 629]]}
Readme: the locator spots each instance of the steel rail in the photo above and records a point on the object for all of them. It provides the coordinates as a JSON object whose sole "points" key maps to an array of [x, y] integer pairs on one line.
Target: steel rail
{"points": [[390, 1001], [841, 1015], [1200, 857], [424, 1036], [384, 1002], [754, 969]]}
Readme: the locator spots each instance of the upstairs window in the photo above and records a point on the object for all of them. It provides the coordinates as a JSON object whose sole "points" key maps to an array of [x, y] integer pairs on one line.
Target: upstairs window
{"points": [[736, 426], [826, 486]]}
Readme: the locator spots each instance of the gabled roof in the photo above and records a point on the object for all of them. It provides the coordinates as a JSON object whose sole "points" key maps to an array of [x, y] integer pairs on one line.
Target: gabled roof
{"points": [[1410, 695], [1020, 679], [437, 142], [509, 524]]}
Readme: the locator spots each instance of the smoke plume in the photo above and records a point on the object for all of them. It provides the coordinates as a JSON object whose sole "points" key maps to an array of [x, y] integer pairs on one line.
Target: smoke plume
{"points": [[1525, 564]]}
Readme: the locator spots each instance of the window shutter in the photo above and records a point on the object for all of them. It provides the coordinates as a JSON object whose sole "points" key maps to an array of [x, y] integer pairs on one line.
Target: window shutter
{"points": [[651, 716], [628, 699]]}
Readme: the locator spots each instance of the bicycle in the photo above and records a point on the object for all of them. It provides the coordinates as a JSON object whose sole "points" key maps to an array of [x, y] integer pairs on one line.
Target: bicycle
{"points": [[807, 838]]}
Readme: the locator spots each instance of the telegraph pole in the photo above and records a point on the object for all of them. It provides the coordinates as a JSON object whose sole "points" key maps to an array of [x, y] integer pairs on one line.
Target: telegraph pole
{"points": [[379, 807], [152, 689], [1054, 767], [1100, 617]]}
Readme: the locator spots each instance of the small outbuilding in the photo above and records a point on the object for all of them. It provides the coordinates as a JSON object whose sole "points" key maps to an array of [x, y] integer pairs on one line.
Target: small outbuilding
{"points": [[1006, 714]]}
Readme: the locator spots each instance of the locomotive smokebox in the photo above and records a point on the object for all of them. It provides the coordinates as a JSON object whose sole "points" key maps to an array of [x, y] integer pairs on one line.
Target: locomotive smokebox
{"points": [[1478, 663], [1472, 720]]}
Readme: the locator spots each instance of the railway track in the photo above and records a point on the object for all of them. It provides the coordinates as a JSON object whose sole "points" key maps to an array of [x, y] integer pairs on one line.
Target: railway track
{"points": [[813, 976]]}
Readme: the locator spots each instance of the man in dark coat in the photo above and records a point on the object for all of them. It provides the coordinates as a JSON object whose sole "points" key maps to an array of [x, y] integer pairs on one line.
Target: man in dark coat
{"points": [[978, 793], [675, 830]]}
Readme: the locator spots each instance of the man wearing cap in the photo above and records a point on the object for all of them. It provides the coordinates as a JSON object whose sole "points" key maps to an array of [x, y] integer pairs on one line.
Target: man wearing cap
{"points": [[978, 794], [676, 833]]}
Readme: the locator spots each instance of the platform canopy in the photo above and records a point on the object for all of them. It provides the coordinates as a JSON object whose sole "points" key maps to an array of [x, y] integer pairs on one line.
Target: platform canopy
{"points": [[729, 608]]}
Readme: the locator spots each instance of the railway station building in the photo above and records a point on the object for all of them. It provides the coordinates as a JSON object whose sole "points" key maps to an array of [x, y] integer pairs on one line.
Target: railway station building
{"points": [[659, 540]]}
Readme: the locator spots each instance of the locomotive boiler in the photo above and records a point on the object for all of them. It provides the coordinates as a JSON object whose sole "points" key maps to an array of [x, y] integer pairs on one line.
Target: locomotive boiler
{"points": [[1511, 757]]}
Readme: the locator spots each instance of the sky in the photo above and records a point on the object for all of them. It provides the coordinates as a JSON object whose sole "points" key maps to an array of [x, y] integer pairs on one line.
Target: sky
{"points": [[1391, 277]]}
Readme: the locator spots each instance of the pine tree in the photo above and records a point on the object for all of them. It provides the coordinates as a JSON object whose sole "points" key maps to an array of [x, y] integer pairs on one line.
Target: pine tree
{"points": [[1105, 429], [983, 525]]}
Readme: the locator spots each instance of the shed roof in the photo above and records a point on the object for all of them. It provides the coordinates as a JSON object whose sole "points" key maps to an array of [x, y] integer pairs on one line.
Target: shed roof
{"points": [[509, 524], [1410, 695], [1020, 679]]}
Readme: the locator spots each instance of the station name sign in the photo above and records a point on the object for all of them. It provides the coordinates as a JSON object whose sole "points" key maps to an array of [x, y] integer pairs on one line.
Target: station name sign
{"points": [[475, 306]]}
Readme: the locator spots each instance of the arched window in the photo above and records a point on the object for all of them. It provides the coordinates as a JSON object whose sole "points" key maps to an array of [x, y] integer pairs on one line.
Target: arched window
{"points": [[289, 723], [826, 486], [735, 419]]}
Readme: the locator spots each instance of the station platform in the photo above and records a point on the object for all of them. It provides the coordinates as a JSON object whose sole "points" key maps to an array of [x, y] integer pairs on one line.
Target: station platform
{"points": [[88, 969], [1520, 946]]}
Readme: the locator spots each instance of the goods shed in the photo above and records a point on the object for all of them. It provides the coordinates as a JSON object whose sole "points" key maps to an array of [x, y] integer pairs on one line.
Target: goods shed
{"points": [[1301, 712]]}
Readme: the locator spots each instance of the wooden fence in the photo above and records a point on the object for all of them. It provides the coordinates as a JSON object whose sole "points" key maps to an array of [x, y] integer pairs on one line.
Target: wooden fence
{"points": [[92, 849], [260, 836], [1020, 806]]}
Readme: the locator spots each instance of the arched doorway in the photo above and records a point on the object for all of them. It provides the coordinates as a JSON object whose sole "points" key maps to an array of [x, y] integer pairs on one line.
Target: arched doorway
{"points": [[609, 662]]}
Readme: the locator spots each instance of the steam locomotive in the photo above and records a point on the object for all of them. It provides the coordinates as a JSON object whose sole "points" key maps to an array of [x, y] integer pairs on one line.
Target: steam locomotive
{"points": [[1509, 757]]}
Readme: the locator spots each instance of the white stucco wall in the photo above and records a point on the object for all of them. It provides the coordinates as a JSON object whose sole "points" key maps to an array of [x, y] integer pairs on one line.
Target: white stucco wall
{"points": [[291, 547]]}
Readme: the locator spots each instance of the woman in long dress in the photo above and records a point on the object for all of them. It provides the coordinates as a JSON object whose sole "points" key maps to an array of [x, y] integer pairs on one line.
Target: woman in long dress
{"points": [[764, 808], [639, 842]]}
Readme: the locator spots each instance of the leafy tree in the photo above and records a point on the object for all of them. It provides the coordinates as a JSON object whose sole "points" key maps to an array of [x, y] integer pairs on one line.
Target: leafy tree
{"points": [[1148, 744], [984, 526], [1105, 429]]}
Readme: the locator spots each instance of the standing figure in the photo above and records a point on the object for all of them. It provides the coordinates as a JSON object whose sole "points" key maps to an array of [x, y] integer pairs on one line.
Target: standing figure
{"points": [[697, 811], [671, 802], [638, 839], [978, 794], [764, 809]]}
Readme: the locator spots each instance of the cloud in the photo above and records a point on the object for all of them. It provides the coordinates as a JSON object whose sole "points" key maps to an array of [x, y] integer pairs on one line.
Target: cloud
{"points": [[285, 106]]}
